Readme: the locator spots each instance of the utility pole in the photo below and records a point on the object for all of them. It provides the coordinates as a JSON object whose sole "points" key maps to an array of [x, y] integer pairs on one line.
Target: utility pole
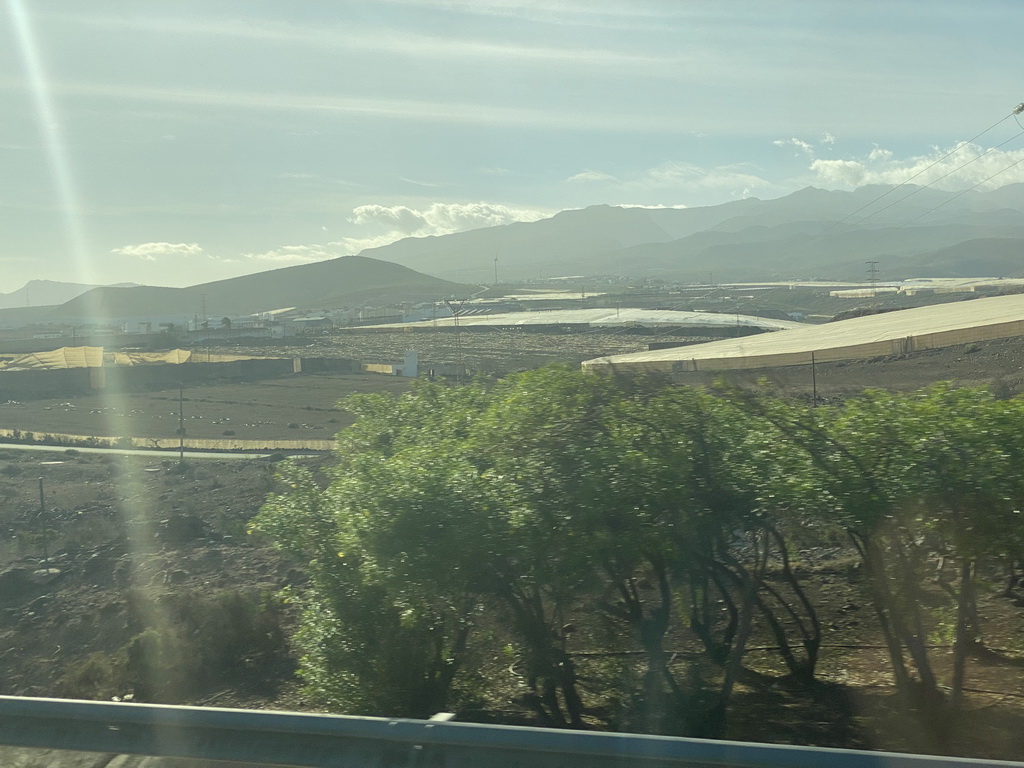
{"points": [[495, 270], [814, 383], [873, 276], [181, 425], [459, 359], [42, 526]]}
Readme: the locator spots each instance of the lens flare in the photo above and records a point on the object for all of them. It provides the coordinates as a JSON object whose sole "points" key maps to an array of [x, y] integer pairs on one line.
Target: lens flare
{"points": [[138, 511], [53, 139]]}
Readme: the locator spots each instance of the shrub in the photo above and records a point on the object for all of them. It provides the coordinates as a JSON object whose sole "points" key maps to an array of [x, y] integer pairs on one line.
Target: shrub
{"points": [[202, 640], [98, 676]]}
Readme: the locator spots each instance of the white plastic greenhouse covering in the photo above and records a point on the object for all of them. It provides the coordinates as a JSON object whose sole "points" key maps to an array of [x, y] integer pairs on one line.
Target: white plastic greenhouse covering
{"points": [[97, 357], [892, 333], [624, 317]]}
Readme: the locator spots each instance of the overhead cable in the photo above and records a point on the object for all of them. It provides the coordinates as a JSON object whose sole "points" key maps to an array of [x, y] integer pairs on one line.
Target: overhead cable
{"points": [[1016, 111], [934, 181]]}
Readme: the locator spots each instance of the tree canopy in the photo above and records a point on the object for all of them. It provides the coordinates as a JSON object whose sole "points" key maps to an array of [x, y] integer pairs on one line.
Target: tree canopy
{"points": [[485, 536]]}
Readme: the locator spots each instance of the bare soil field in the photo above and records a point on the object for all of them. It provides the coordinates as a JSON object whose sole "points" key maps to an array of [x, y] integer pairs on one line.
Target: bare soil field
{"points": [[297, 407], [486, 351], [288, 408], [126, 545]]}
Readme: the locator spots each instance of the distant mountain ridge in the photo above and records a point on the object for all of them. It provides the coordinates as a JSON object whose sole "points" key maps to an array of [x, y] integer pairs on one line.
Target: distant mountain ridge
{"points": [[42, 293], [809, 234], [345, 281]]}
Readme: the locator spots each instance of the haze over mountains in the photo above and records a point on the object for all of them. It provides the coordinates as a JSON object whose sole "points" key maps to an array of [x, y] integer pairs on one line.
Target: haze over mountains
{"points": [[810, 234], [41, 293], [347, 281]]}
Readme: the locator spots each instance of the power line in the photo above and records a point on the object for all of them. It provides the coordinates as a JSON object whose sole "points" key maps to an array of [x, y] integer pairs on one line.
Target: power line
{"points": [[929, 184], [1016, 111], [964, 192]]}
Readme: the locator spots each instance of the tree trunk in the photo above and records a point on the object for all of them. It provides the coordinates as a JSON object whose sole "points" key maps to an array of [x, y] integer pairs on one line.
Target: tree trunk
{"points": [[963, 639]]}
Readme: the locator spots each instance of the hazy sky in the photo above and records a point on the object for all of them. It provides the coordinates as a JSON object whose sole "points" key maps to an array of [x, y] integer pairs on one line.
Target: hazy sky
{"points": [[176, 142]]}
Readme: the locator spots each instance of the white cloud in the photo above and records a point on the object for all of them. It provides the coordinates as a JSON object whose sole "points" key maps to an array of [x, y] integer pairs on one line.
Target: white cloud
{"points": [[297, 254], [418, 183], [845, 172], [153, 251], [803, 146], [397, 41], [437, 219], [422, 110], [588, 176], [395, 217], [807, 147], [959, 167], [388, 223], [683, 175], [353, 245], [654, 207], [677, 178]]}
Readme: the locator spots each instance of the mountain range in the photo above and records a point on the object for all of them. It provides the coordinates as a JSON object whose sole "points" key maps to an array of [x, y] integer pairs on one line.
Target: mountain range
{"points": [[810, 234], [346, 281], [42, 293]]}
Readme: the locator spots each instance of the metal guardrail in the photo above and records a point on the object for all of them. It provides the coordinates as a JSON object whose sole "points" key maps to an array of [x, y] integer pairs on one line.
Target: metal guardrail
{"points": [[334, 741]]}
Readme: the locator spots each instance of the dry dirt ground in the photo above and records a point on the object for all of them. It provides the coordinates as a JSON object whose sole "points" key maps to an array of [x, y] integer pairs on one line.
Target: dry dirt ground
{"points": [[292, 407], [96, 588], [486, 351]]}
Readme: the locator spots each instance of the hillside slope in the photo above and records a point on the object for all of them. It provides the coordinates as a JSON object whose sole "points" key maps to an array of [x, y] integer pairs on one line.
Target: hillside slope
{"points": [[350, 280], [812, 233], [42, 293]]}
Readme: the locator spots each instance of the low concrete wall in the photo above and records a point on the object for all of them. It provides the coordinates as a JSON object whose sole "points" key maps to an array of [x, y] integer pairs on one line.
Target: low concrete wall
{"points": [[62, 440], [385, 368], [329, 365]]}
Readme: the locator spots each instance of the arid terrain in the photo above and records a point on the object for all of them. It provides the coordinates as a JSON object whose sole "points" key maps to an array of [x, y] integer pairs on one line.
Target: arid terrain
{"points": [[135, 577], [286, 408]]}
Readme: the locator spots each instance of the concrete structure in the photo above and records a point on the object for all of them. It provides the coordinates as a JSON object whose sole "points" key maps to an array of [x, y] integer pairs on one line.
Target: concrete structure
{"points": [[892, 333], [409, 367]]}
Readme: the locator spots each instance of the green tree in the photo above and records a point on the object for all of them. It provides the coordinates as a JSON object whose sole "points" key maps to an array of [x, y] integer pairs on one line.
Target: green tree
{"points": [[534, 500], [387, 621], [913, 479]]}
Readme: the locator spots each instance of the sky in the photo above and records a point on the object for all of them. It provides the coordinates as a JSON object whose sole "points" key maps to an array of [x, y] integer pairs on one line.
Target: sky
{"points": [[173, 143]]}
